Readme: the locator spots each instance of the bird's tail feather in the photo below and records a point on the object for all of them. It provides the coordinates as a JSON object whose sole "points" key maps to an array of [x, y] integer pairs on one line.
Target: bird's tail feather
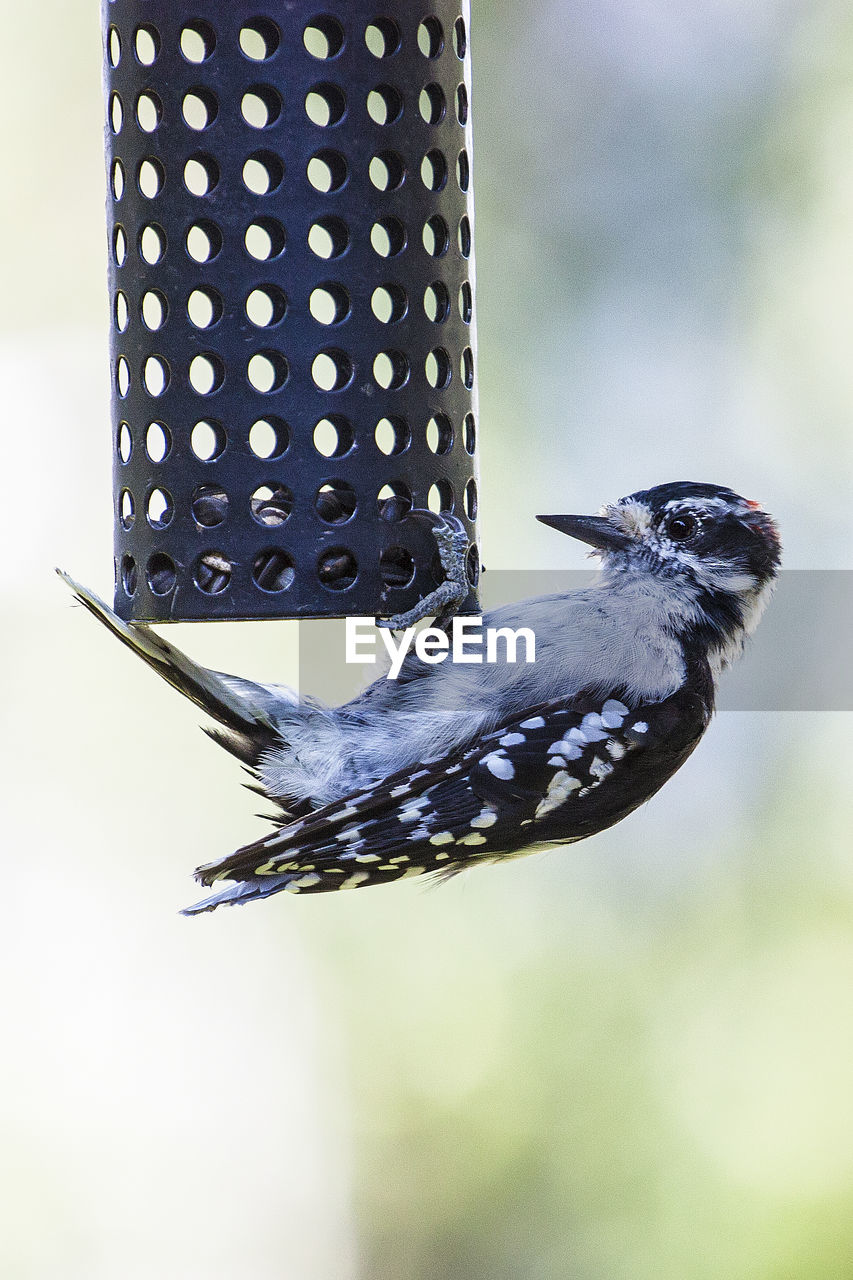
{"points": [[237, 894], [241, 706]]}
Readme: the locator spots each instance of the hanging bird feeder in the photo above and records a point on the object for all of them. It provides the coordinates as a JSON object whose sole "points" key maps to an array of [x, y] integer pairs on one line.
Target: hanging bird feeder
{"points": [[291, 280]]}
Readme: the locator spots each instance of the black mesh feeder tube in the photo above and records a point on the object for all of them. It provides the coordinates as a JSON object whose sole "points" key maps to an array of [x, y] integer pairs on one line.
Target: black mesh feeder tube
{"points": [[291, 278]]}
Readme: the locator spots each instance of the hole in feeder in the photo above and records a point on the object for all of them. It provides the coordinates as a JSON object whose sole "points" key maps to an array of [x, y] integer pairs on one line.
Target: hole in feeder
{"points": [[126, 509], [262, 172], [146, 44], [333, 436], [394, 501], [268, 437], [325, 105], [119, 246], [159, 508], [198, 40], [392, 436], [323, 37], [113, 47], [259, 39], [273, 570], [204, 241], [466, 302], [382, 37], [212, 572], [266, 306], [128, 575], [431, 104], [328, 238], [125, 442], [462, 104], [271, 504], [329, 303], [120, 311], [471, 499], [117, 179], [209, 505], [335, 502], [264, 239], [463, 170], [469, 433], [460, 37], [438, 369], [207, 440], [149, 111], [388, 237], [436, 302], [436, 237], [201, 174], [466, 368], [388, 303], [155, 375], [440, 497], [337, 569], [331, 370], [154, 309], [115, 113], [465, 238], [391, 370], [384, 104], [152, 243], [207, 373], [387, 171], [150, 177], [267, 371], [158, 441], [205, 307], [430, 37], [122, 377], [472, 566], [161, 574], [327, 171], [260, 106], [199, 108], [434, 171], [396, 567], [439, 434]]}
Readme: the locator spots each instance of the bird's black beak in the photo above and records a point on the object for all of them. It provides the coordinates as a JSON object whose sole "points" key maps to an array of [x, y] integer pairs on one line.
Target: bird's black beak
{"points": [[596, 531]]}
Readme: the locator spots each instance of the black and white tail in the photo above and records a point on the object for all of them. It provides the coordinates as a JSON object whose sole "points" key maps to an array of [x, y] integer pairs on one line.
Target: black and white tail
{"points": [[244, 709]]}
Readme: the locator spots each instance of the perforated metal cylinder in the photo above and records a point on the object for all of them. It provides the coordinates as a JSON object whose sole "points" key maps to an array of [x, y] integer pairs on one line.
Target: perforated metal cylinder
{"points": [[291, 275]]}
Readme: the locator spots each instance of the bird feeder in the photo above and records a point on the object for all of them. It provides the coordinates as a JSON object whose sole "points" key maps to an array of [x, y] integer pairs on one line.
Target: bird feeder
{"points": [[291, 280]]}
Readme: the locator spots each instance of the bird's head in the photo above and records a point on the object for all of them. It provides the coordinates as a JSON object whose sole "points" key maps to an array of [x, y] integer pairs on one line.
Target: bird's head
{"points": [[699, 541]]}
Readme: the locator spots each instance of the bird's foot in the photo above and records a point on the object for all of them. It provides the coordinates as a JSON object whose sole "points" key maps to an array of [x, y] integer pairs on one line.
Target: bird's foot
{"points": [[442, 603]]}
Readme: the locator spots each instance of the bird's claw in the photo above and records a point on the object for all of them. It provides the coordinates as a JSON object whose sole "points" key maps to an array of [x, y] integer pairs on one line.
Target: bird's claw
{"points": [[442, 603]]}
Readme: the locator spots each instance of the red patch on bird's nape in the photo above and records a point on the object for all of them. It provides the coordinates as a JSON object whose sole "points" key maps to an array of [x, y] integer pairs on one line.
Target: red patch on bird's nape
{"points": [[763, 524]]}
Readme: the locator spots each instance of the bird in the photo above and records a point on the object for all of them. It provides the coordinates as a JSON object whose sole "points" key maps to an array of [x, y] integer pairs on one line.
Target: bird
{"points": [[453, 765]]}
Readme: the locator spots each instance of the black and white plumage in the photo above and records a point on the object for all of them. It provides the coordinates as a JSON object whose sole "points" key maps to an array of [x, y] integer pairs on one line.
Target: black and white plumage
{"points": [[452, 765]]}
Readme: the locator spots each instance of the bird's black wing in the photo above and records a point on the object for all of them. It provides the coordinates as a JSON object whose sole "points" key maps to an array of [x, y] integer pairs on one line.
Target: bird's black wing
{"points": [[559, 773]]}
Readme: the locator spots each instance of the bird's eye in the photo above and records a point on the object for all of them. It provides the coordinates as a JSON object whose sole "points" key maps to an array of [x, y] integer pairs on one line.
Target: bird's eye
{"points": [[681, 527]]}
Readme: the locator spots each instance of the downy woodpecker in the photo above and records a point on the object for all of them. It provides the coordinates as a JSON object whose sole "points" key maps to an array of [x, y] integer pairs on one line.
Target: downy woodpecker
{"points": [[452, 765]]}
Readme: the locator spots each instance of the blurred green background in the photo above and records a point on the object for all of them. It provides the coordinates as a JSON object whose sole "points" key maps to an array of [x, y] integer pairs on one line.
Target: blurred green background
{"points": [[627, 1060]]}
